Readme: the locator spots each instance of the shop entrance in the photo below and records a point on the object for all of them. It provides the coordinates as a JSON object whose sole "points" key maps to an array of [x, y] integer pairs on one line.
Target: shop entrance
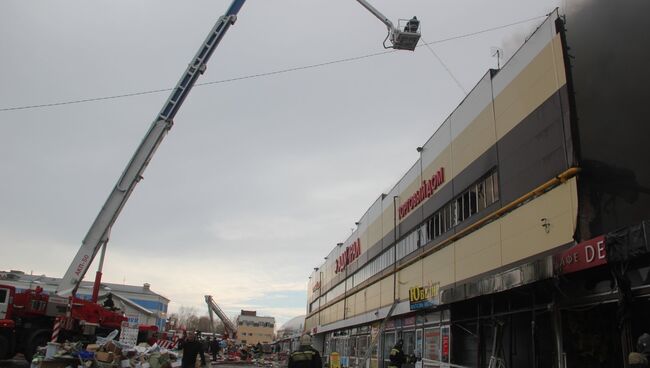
{"points": [[591, 337]]}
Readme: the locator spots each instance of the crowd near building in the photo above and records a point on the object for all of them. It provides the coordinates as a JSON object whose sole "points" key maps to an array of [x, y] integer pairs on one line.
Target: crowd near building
{"points": [[519, 236], [139, 303], [253, 329]]}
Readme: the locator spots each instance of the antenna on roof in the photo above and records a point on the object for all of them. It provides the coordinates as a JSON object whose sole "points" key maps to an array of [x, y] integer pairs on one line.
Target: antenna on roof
{"points": [[498, 53]]}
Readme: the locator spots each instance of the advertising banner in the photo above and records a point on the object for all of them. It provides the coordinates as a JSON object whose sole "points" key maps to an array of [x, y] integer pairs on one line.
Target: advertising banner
{"points": [[422, 297]]}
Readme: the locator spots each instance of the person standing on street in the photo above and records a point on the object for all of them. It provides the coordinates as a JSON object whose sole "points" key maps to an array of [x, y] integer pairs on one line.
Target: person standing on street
{"points": [[396, 356], [215, 346], [306, 356], [191, 348]]}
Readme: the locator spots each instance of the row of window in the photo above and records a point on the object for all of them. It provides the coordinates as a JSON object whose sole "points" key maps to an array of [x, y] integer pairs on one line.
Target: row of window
{"points": [[334, 292], [257, 334], [474, 199], [255, 324], [371, 268], [471, 201]]}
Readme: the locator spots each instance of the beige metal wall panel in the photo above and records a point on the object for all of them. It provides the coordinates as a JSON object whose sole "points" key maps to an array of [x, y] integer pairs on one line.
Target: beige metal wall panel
{"points": [[351, 239], [328, 269], [519, 61], [522, 232], [323, 317], [558, 56], [351, 305], [443, 160], [474, 140], [311, 322], [363, 232], [407, 278], [386, 290], [359, 303], [375, 233], [375, 229], [340, 310], [439, 267], [534, 85], [438, 142], [473, 106], [472, 126], [388, 216], [374, 211], [372, 296], [409, 183], [478, 252]]}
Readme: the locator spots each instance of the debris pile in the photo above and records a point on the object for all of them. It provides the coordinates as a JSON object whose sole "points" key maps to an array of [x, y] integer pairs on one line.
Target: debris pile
{"points": [[105, 353]]}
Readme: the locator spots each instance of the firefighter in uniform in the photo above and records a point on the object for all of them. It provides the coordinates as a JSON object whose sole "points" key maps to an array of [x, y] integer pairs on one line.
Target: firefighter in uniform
{"points": [[639, 358], [396, 356], [412, 25], [306, 356]]}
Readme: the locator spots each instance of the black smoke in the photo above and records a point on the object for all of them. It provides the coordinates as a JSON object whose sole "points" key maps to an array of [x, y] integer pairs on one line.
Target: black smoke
{"points": [[609, 48]]}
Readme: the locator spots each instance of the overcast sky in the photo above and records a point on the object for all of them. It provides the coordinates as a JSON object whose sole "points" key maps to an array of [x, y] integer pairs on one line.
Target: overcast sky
{"points": [[259, 178]]}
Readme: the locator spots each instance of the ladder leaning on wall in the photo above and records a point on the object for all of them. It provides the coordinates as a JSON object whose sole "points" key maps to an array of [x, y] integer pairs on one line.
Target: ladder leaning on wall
{"points": [[375, 339]]}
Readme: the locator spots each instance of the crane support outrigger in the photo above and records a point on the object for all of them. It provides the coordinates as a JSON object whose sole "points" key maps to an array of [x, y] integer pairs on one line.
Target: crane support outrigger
{"points": [[98, 235]]}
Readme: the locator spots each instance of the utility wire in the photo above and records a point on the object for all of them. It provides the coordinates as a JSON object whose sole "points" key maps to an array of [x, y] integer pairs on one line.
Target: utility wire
{"points": [[282, 71]]}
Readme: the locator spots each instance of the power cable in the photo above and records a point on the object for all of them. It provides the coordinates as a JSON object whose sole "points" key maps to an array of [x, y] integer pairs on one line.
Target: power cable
{"points": [[282, 71]]}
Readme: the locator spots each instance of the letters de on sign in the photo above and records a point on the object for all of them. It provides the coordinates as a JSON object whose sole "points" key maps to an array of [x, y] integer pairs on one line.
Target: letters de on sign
{"points": [[590, 253]]}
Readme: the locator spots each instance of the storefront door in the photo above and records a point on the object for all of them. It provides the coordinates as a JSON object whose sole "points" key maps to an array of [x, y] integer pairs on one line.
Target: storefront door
{"points": [[389, 342], [409, 347]]}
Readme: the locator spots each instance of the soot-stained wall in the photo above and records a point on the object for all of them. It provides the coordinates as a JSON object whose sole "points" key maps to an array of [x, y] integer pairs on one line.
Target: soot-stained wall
{"points": [[609, 80]]}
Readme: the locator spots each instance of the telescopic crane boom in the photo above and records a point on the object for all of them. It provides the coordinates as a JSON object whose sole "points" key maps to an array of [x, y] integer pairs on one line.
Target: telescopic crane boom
{"points": [[228, 325], [100, 230]]}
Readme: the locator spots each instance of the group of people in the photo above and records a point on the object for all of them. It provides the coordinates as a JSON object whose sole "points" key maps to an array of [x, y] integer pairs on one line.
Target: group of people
{"points": [[194, 347]]}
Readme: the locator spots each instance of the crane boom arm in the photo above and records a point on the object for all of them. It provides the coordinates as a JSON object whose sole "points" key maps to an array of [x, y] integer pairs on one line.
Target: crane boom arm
{"points": [[377, 14], [227, 323], [98, 233]]}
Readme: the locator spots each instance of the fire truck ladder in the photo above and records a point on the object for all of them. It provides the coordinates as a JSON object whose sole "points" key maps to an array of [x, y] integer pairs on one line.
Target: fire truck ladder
{"points": [[228, 325]]}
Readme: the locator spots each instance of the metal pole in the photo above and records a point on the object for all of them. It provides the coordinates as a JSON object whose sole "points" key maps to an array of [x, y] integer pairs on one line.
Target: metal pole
{"points": [[395, 296], [557, 326]]}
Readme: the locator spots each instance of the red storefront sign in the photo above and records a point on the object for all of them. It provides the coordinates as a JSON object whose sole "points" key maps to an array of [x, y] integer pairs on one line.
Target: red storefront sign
{"points": [[425, 191], [351, 253], [445, 345], [588, 254]]}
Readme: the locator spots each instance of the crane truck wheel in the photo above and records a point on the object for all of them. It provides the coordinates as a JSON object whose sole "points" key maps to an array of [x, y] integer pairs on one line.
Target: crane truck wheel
{"points": [[5, 349], [36, 339]]}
